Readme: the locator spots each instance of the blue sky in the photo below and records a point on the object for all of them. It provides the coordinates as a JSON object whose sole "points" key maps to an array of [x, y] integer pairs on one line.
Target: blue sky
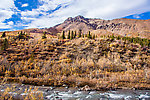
{"points": [[23, 14]]}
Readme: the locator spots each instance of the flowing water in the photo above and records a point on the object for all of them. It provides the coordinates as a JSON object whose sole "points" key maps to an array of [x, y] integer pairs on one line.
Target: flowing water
{"points": [[64, 93]]}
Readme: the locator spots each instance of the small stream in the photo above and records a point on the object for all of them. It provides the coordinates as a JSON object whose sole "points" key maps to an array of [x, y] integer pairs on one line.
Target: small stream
{"points": [[64, 93]]}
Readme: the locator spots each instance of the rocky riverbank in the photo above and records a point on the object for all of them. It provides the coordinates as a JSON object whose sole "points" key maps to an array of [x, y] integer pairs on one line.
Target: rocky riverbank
{"points": [[21, 91]]}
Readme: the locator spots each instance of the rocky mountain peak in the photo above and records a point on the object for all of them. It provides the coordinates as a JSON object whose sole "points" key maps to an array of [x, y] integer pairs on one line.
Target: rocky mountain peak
{"points": [[76, 19], [79, 17]]}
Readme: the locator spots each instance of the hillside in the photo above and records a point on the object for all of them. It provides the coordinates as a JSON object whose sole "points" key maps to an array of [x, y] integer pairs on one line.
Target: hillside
{"points": [[101, 63]]}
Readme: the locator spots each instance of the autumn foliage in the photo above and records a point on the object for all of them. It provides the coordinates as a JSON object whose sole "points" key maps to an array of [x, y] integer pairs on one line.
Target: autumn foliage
{"points": [[102, 62]]}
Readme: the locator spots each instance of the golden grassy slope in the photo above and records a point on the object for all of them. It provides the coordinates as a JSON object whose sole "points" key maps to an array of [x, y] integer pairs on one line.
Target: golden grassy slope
{"points": [[100, 63]]}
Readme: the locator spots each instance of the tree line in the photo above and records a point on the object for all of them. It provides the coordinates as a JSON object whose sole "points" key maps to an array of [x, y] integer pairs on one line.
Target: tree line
{"points": [[142, 41], [73, 34]]}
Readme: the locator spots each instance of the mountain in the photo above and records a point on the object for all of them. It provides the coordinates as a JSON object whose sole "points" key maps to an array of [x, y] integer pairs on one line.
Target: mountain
{"points": [[123, 26]]}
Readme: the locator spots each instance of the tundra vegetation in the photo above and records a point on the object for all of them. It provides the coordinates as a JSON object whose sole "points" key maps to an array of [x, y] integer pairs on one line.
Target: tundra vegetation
{"points": [[76, 60]]}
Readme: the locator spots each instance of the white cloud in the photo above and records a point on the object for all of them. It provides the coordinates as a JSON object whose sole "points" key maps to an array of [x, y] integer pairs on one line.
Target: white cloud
{"points": [[136, 16], [47, 6], [105, 9], [4, 26], [25, 5], [45, 21], [10, 23], [52, 4], [6, 11], [5, 14], [6, 4], [32, 13]]}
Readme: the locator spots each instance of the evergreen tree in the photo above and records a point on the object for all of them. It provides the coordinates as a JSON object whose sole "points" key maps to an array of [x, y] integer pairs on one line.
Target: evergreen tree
{"points": [[96, 36], [149, 43], [83, 35], [93, 36], [44, 35], [63, 35], [89, 35], [118, 38], [21, 33], [68, 35], [71, 35], [112, 37], [75, 34], [5, 44], [80, 32], [4, 34], [24, 33], [20, 36]]}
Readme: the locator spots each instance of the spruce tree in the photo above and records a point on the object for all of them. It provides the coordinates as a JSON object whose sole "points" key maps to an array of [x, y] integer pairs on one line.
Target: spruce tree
{"points": [[20, 36], [68, 35], [44, 35], [75, 34], [112, 37], [89, 35], [4, 34], [80, 32], [118, 37], [21, 33], [83, 35], [71, 35], [93, 36], [63, 35], [5, 44], [24, 33]]}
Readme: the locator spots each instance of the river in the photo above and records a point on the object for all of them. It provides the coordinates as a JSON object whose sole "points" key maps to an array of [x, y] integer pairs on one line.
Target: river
{"points": [[65, 93]]}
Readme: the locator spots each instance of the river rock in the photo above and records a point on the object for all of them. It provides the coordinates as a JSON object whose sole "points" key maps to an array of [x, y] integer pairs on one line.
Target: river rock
{"points": [[85, 88]]}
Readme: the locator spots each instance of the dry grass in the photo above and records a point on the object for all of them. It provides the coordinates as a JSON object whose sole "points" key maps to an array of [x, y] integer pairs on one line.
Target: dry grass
{"points": [[99, 63], [21, 94]]}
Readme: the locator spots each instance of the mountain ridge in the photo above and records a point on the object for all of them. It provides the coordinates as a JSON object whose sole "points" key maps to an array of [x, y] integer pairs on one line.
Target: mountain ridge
{"points": [[122, 26]]}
